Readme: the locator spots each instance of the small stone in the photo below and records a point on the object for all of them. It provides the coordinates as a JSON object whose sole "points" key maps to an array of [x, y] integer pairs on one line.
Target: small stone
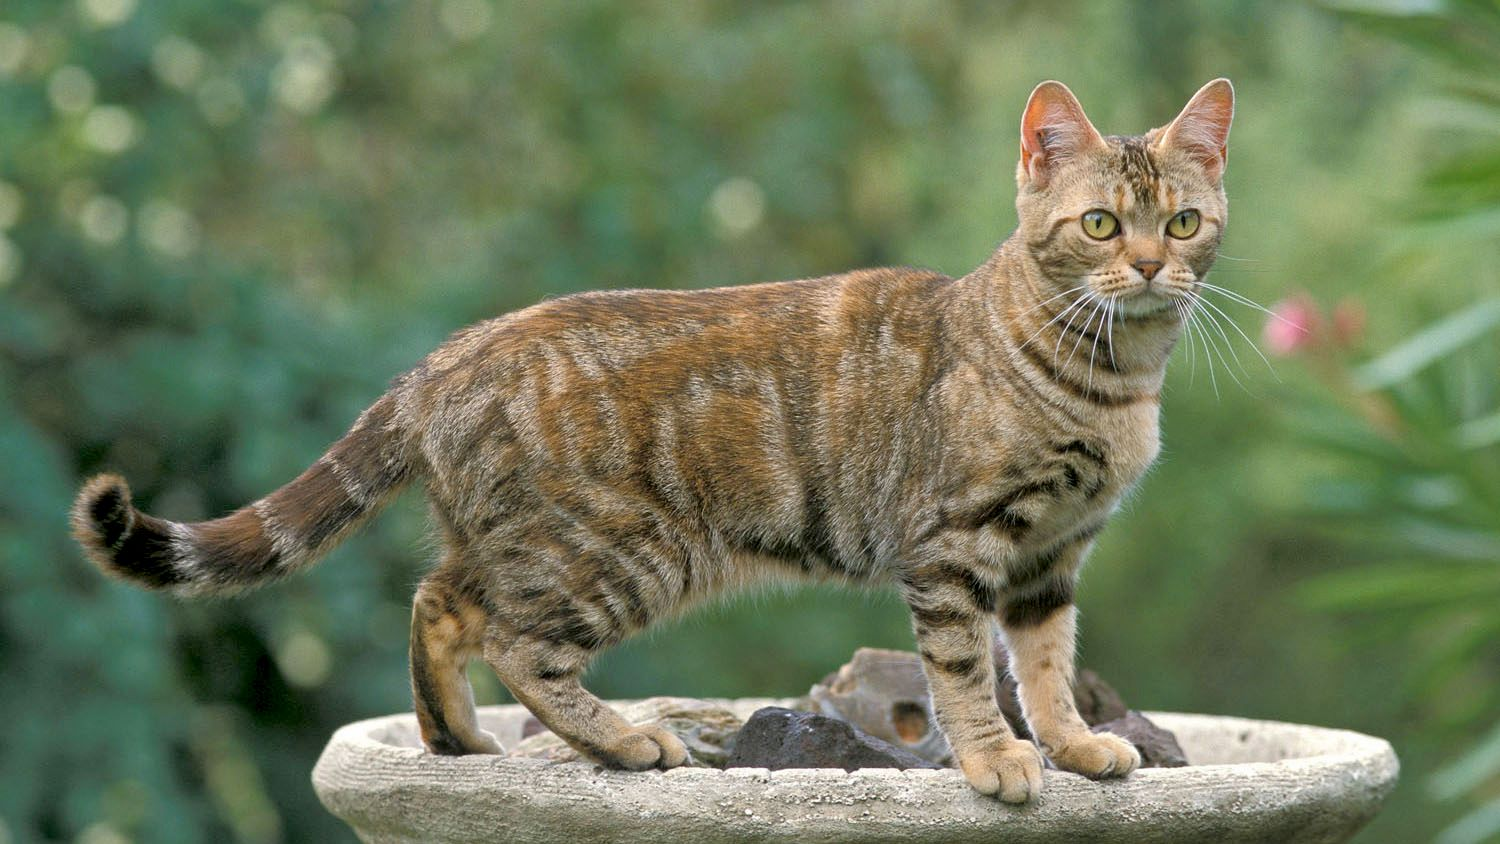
{"points": [[1158, 747], [778, 739], [1097, 700]]}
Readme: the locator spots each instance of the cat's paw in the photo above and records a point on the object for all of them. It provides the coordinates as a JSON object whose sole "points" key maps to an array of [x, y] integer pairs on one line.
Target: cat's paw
{"points": [[1095, 755], [1010, 769], [462, 744], [643, 748]]}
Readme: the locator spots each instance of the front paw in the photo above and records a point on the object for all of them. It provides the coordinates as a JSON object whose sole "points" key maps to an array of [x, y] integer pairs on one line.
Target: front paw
{"points": [[645, 747], [1095, 755], [1010, 768]]}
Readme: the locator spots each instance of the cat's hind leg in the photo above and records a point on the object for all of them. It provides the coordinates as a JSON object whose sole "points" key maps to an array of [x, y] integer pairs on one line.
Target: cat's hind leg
{"points": [[446, 630], [544, 676]]}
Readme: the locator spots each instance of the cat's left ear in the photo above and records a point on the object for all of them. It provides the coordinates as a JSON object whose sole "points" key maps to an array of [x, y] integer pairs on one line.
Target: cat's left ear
{"points": [[1202, 129]]}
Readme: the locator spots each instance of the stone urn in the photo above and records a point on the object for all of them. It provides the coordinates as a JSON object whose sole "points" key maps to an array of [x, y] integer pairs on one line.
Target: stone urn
{"points": [[1248, 781]]}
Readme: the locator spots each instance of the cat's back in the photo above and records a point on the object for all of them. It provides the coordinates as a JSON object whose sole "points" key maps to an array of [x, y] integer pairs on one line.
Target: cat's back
{"points": [[693, 332], [615, 367]]}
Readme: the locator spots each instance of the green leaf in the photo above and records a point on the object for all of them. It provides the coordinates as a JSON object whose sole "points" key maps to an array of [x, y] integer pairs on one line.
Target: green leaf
{"points": [[1470, 770], [1480, 825], [1429, 346], [1478, 433], [1450, 541], [1398, 585]]}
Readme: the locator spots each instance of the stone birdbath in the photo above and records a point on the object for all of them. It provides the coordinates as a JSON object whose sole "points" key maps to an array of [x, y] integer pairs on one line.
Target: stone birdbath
{"points": [[1247, 781]]}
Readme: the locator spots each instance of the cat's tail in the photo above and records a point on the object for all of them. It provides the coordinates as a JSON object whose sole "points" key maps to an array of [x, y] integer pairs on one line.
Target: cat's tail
{"points": [[260, 542]]}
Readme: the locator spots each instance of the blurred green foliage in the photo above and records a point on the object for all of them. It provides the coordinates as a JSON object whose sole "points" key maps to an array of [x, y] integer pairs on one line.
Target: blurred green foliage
{"points": [[1416, 432], [1419, 492], [224, 226]]}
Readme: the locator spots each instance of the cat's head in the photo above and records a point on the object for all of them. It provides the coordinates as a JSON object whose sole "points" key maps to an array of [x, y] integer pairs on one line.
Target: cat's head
{"points": [[1137, 219]]}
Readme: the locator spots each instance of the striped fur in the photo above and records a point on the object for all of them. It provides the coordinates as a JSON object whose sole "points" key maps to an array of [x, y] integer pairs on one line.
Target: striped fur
{"points": [[601, 461], [269, 539]]}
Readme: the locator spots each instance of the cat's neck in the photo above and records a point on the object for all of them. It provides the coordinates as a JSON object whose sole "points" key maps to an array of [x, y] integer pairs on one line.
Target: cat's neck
{"points": [[1008, 307]]}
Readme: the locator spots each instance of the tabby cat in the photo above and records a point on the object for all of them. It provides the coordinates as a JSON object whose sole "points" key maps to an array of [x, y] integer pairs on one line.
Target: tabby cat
{"points": [[599, 461]]}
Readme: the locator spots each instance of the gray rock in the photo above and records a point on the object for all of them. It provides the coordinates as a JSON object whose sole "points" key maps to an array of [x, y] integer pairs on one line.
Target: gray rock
{"points": [[704, 727], [777, 739], [1158, 747], [1097, 701]]}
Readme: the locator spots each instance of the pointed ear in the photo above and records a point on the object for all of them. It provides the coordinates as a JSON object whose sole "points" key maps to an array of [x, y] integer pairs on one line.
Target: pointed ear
{"points": [[1202, 129], [1053, 130]]}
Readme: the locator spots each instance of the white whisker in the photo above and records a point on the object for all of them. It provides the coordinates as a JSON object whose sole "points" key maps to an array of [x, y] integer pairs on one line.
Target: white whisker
{"points": [[1052, 299], [1187, 328], [1113, 364], [1099, 303], [1245, 300], [1242, 333], [1214, 321], [1109, 311], [1049, 323], [1087, 297], [1207, 355]]}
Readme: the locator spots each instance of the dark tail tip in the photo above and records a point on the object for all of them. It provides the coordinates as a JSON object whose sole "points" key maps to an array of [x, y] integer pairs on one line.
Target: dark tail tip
{"points": [[119, 539], [103, 516]]}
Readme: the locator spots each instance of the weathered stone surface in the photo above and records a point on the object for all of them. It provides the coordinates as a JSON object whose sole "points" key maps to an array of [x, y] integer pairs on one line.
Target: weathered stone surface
{"points": [[777, 739], [1158, 747], [704, 727], [1251, 781]]}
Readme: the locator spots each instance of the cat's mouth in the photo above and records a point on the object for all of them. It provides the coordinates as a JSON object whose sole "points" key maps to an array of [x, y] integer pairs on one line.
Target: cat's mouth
{"points": [[1144, 301]]}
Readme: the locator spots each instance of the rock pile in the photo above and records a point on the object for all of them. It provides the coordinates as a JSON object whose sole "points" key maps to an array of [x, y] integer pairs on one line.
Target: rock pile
{"points": [[873, 712]]}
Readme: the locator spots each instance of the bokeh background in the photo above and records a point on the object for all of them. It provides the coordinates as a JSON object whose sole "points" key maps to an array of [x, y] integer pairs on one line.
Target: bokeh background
{"points": [[224, 226]]}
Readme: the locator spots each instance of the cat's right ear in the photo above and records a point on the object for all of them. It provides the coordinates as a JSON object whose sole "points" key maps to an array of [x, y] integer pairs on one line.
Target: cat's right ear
{"points": [[1054, 129]]}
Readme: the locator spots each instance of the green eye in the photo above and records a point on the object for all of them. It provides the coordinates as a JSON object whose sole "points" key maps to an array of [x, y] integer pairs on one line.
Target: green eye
{"points": [[1100, 225], [1184, 225]]}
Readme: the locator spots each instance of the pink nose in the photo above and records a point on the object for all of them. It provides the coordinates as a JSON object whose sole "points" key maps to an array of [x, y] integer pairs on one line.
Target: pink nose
{"points": [[1147, 268]]}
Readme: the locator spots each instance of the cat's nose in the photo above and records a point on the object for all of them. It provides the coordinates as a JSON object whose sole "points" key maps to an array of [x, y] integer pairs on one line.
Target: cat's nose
{"points": [[1147, 267]]}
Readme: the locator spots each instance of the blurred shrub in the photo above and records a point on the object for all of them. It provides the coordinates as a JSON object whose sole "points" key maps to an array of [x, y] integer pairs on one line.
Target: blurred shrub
{"points": [[1417, 435], [223, 227], [1418, 491]]}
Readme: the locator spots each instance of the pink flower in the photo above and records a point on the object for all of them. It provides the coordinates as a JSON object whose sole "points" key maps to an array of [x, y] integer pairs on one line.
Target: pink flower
{"points": [[1294, 325]]}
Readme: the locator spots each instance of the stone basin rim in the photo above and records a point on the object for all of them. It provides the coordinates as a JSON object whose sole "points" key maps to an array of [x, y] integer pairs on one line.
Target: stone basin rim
{"points": [[365, 734], [1250, 780]]}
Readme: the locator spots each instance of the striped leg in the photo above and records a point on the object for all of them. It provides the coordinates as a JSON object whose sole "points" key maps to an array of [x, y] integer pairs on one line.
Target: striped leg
{"points": [[1039, 633], [544, 676], [952, 613], [445, 632]]}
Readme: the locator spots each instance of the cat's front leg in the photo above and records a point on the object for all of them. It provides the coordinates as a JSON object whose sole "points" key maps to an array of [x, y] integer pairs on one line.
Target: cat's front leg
{"points": [[953, 614], [1039, 626]]}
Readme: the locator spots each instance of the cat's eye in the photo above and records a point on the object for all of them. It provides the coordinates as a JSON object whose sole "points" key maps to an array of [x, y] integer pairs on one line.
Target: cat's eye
{"points": [[1100, 225], [1183, 225]]}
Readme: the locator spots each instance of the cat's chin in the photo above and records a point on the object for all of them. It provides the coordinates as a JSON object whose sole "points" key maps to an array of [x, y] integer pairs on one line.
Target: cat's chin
{"points": [[1146, 305]]}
